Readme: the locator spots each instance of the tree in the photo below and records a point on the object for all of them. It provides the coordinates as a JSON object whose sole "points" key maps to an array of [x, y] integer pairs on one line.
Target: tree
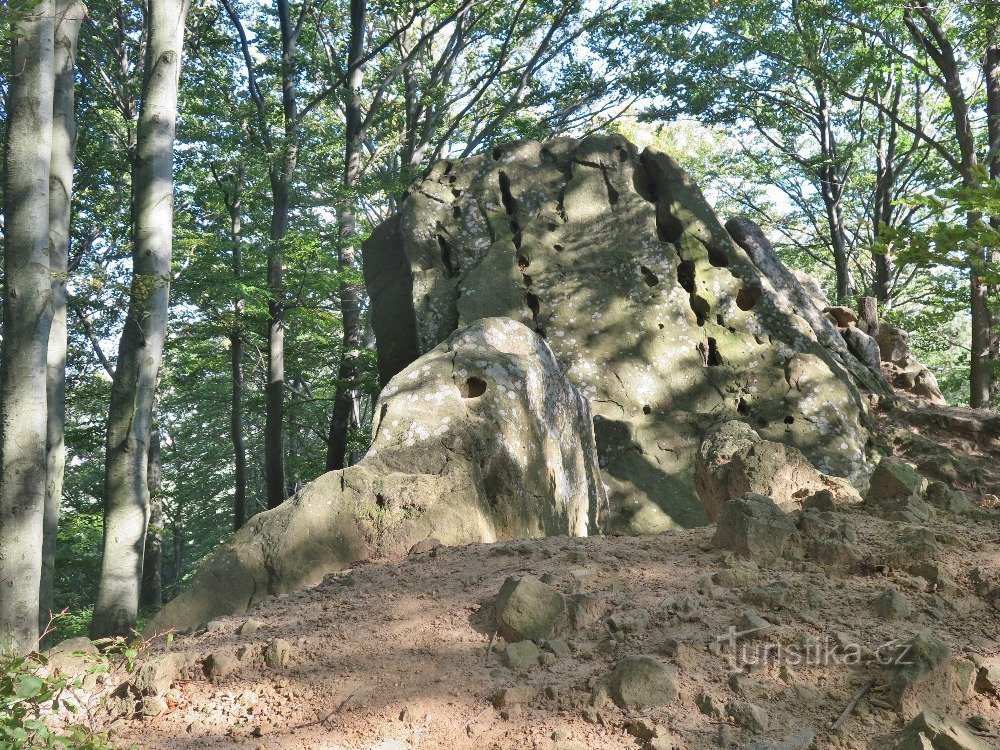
{"points": [[69, 16], [141, 346], [27, 317]]}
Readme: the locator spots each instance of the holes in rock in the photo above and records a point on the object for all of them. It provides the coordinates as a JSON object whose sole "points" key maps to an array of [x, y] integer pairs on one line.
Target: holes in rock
{"points": [[455, 193], [558, 248], [527, 279], [720, 320], [714, 358], [648, 276], [381, 501], [789, 419], [522, 261], [668, 226], [515, 230], [700, 308], [743, 408], [717, 257], [532, 299], [647, 409], [660, 326], [747, 297], [620, 154], [762, 423], [451, 268], [551, 227], [506, 197], [456, 212], [685, 275], [473, 387], [447, 169]]}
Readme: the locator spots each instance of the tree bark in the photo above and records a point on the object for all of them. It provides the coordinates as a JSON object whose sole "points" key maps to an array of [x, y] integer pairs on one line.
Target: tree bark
{"points": [[151, 590], [140, 351], [991, 75], [235, 205], [868, 315], [27, 316], [69, 15], [346, 401], [281, 175], [832, 190]]}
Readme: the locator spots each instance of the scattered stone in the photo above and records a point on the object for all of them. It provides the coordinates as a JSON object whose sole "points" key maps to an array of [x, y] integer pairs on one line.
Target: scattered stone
{"points": [[894, 479], [738, 572], [219, 665], [152, 705], [753, 526], [641, 683], [513, 696], [559, 647], [822, 500], [988, 677], [72, 656], [522, 656], [250, 627], [155, 676], [751, 623], [844, 317], [930, 730], [526, 608], [979, 723], [276, 653], [800, 740], [669, 647], [424, 546], [633, 621], [891, 605], [923, 674], [584, 610], [747, 715]]}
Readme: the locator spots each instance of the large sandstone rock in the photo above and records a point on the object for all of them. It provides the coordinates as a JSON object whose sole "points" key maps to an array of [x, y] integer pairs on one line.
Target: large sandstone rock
{"points": [[660, 319], [902, 369], [481, 439]]}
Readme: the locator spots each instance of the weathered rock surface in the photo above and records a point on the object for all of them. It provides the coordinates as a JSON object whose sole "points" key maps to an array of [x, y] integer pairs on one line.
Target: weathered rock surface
{"points": [[641, 683], [754, 527], [481, 439], [931, 730], [733, 460], [660, 319], [528, 609]]}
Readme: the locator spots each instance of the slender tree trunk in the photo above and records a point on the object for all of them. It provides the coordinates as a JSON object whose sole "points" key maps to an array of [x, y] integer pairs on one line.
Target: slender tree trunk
{"points": [[832, 190], [991, 75], [235, 205], [69, 17], [27, 316], [151, 590], [346, 402], [281, 175], [140, 351]]}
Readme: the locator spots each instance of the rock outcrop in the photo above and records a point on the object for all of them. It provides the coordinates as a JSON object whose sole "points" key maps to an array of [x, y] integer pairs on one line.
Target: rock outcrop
{"points": [[481, 439], [660, 319]]}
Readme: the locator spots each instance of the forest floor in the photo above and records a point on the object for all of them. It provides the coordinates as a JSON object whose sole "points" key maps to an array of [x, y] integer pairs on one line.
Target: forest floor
{"points": [[401, 654]]}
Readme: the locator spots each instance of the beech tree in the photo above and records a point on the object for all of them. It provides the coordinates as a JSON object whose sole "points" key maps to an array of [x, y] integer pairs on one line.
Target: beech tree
{"points": [[126, 490], [27, 316]]}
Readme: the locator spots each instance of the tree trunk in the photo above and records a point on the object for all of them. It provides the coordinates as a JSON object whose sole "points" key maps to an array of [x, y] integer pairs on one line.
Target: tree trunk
{"points": [[151, 591], [281, 175], [69, 17], [140, 351], [991, 75], [868, 315], [346, 402], [832, 190], [236, 356], [27, 316]]}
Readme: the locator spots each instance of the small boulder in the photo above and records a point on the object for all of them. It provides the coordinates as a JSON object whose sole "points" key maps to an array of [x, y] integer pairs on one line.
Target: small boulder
{"points": [[930, 730], [527, 609], [641, 683], [823, 500], [923, 673], [250, 627], [277, 652], [154, 676], [891, 605], [988, 677], [72, 656], [863, 346], [842, 316], [894, 479], [748, 716], [513, 696], [522, 656], [219, 665], [754, 527]]}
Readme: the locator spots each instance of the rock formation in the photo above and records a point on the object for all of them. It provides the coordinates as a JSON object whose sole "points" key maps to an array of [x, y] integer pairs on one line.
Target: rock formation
{"points": [[480, 440], [661, 320]]}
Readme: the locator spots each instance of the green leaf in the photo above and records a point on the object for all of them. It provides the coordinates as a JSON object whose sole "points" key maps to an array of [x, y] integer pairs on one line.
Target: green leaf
{"points": [[29, 686]]}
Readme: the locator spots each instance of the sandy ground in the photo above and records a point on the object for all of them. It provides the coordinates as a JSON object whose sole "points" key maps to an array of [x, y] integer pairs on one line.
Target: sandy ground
{"points": [[400, 654]]}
